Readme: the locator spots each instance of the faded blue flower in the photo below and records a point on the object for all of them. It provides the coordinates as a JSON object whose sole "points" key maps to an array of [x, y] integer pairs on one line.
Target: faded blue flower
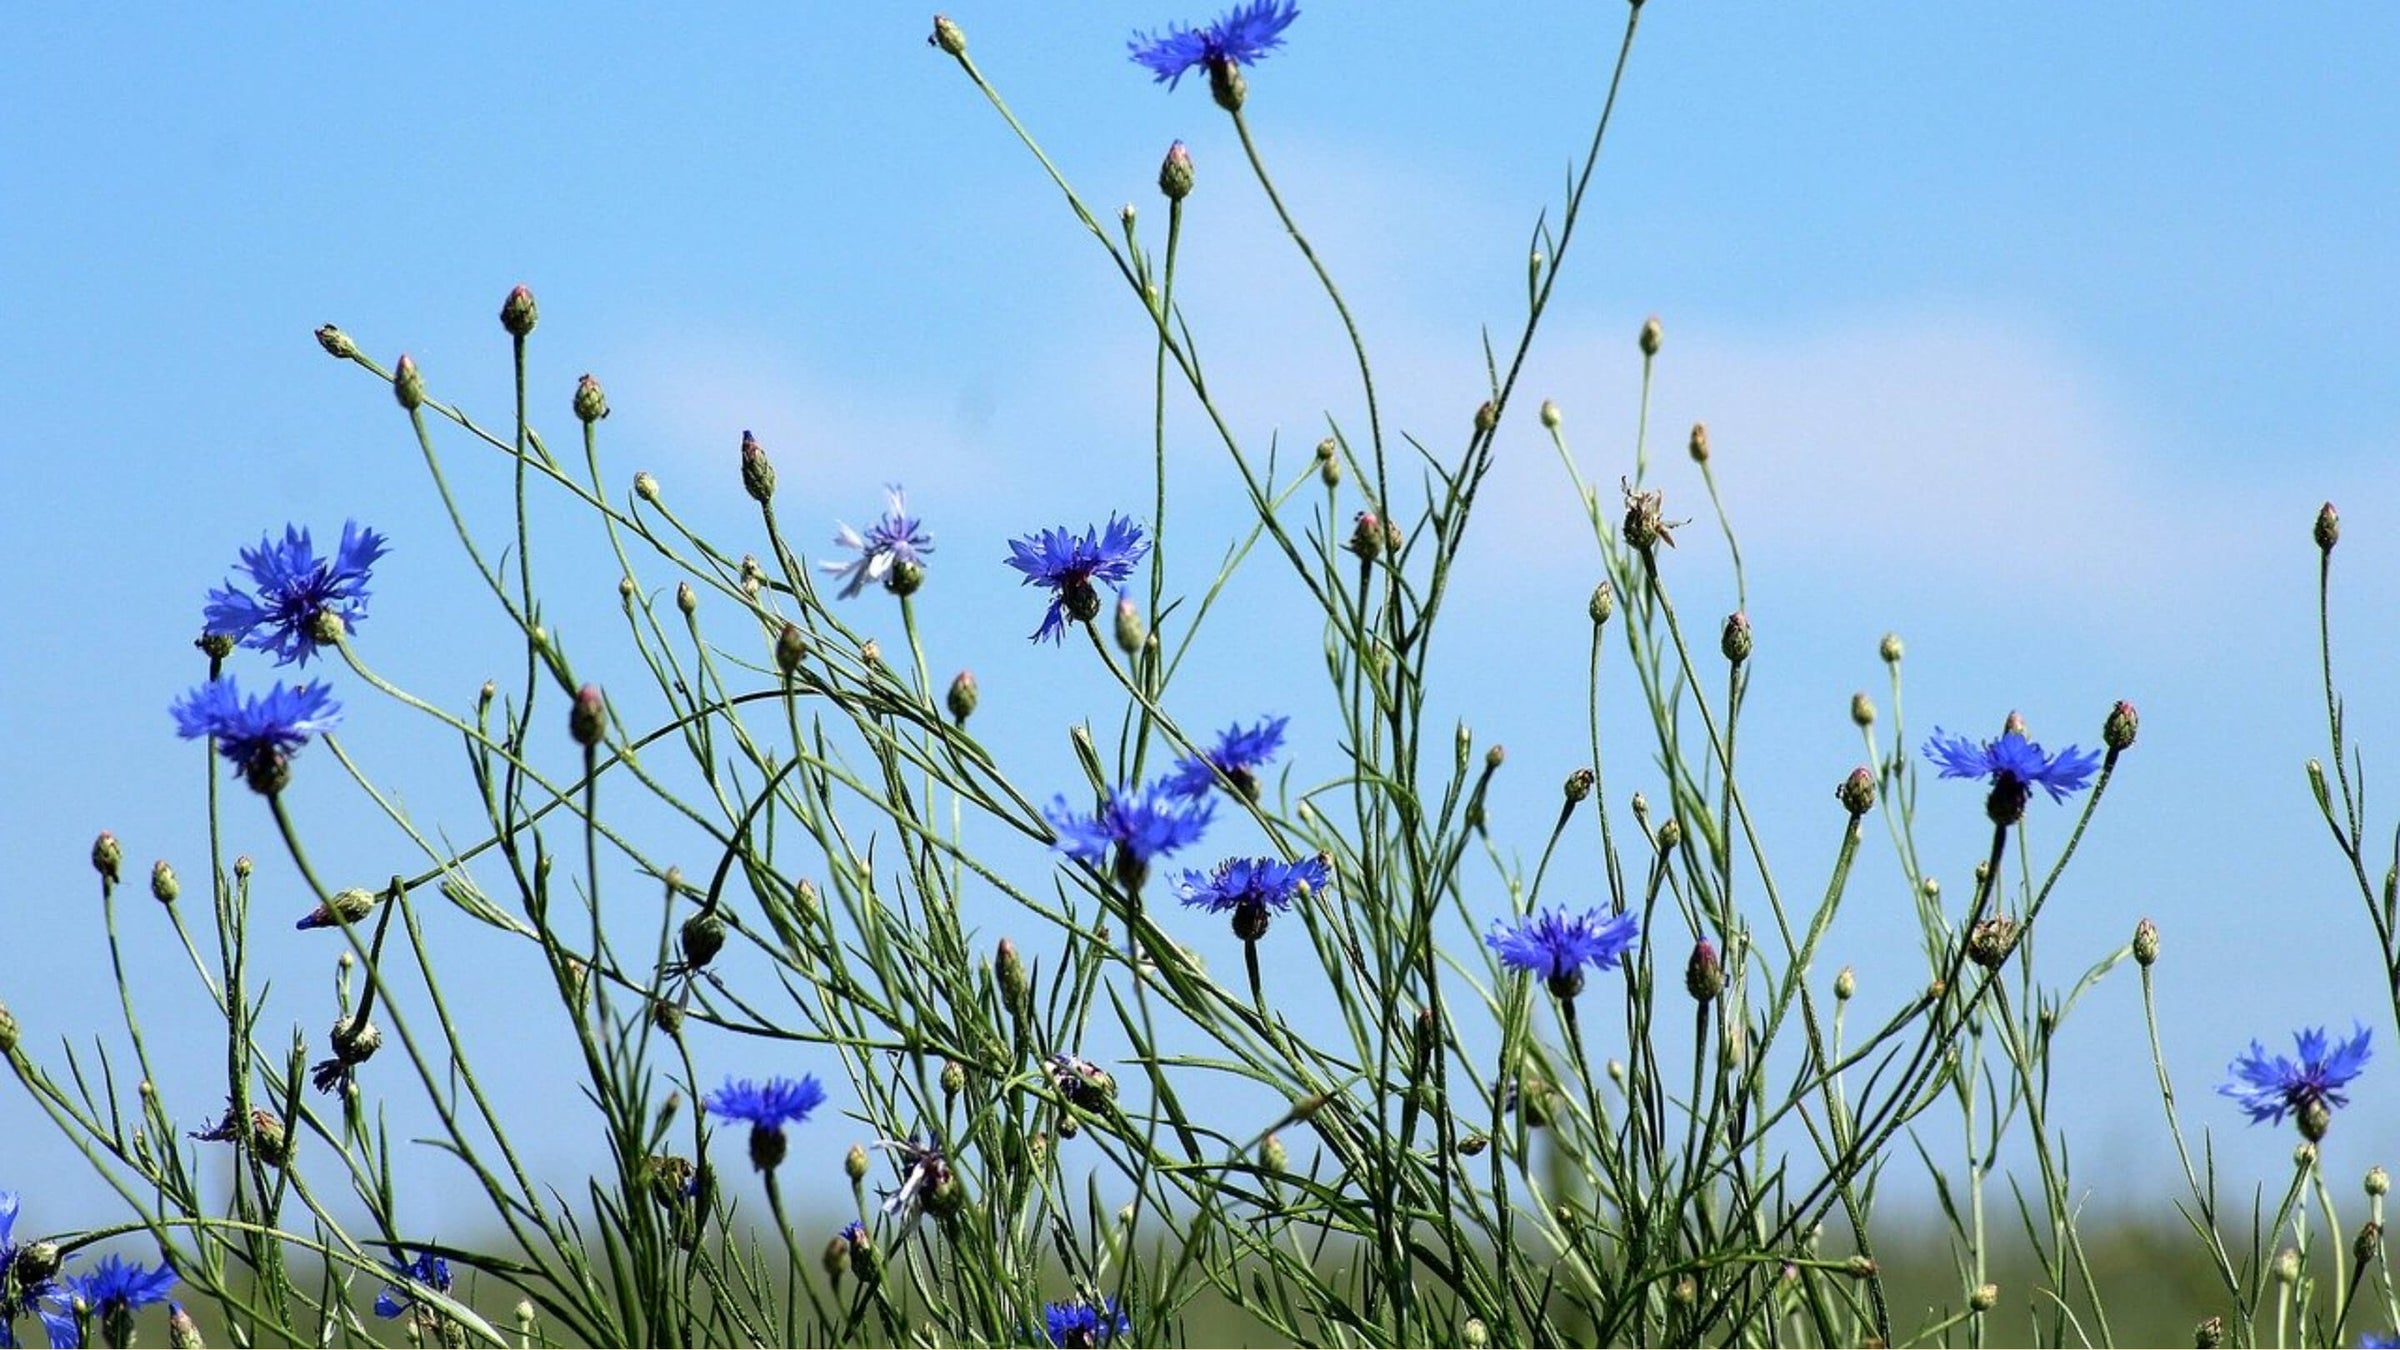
{"points": [[1557, 945], [293, 587], [2014, 765], [1240, 37], [428, 1270], [768, 1106], [1081, 1324], [1141, 825], [896, 538], [258, 734], [2269, 1088], [110, 1293], [1265, 883], [1072, 566], [1238, 754]]}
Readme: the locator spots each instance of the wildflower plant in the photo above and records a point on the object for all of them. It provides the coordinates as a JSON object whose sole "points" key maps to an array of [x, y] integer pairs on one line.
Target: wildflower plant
{"points": [[741, 824]]}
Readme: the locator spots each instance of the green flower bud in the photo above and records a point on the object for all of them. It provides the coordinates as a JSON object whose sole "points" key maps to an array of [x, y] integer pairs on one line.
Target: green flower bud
{"points": [[588, 717], [701, 938], [1857, 792], [1551, 416], [1366, 537], [1736, 642], [2145, 944], [163, 886], [1474, 1334], [964, 696], [214, 646], [1985, 1298], [1329, 463], [791, 647], [1699, 443], [2209, 1334], [108, 858], [954, 1078], [1703, 975], [2286, 1267], [1487, 417], [2117, 732], [836, 1259], [854, 1164], [2329, 528], [1272, 1155], [1130, 629], [2379, 1182], [1579, 785], [645, 486], [1845, 983], [1009, 969], [758, 472], [686, 599], [8, 1032], [407, 385], [1891, 649], [1862, 709], [1652, 336], [518, 314], [591, 402], [1670, 834], [1175, 174], [337, 344], [667, 1016], [1226, 85], [947, 36], [1603, 603]]}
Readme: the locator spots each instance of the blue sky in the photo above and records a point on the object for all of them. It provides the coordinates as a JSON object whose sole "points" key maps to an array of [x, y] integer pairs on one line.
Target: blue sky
{"points": [[2036, 334]]}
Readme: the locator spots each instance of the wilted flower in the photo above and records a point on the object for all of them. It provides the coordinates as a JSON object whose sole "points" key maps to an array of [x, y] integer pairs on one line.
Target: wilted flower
{"points": [[1073, 566], [1240, 37], [1556, 945], [896, 538], [1238, 754], [295, 587]]}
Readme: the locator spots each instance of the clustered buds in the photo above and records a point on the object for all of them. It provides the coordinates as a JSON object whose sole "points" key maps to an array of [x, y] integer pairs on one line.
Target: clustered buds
{"points": [[1329, 463]]}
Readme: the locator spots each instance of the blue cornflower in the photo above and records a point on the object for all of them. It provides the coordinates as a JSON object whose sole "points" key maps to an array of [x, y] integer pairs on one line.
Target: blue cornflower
{"points": [[2310, 1089], [295, 586], [27, 1293], [428, 1270], [1238, 754], [854, 1233], [1141, 825], [1082, 1324], [1557, 945], [898, 538], [110, 1293], [1240, 37], [258, 735], [1252, 888], [2372, 1340], [768, 1106], [2016, 766], [1073, 566]]}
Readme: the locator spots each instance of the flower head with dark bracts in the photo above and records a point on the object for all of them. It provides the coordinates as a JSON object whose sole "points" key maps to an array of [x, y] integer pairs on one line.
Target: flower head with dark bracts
{"points": [[1140, 825], [1081, 1081], [1240, 37], [1238, 754], [2015, 767], [22, 1286], [1073, 567], [1557, 945], [2269, 1088], [257, 735], [1252, 889], [428, 1270], [295, 588], [1085, 1323], [891, 552], [110, 1293], [768, 1106], [926, 1184]]}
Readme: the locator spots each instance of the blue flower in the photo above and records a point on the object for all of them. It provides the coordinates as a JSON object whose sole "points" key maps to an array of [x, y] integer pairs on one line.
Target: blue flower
{"points": [[27, 1294], [853, 1233], [2371, 1340], [1141, 826], [1240, 37], [897, 538], [2310, 1089], [110, 1292], [2015, 765], [256, 735], [1263, 883], [1081, 1324], [428, 1270], [768, 1106], [294, 587], [1557, 945], [1238, 754], [1073, 566]]}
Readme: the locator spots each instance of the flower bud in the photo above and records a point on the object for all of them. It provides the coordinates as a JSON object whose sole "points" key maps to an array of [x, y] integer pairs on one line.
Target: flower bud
{"points": [[2329, 528], [182, 1332], [2286, 1267], [2145, 944], [591, 402], [1736, 642], [108, 858], [791, 647], [1859, 1267], [1670, 834], [347, 906], [1603, 603], [1891, 649], [701, 938], [2118, 730], [1009, 969], [836, 1259], [686, 599], [215, 646], [586, 719], [645, 486], [1985, 1298], [2209, 1334], [954, 1078], [163, 886], [947, 36], [854, 1163], [1862, 709], [8, 1032], [1579, 785], [1845, 984], [407, 385], [1226, 85], [1366, 538], [1641, 808], [1474, 1334], [1329, 463], [964, 696], [758, 472], [337, 344], [1652, 336], [667, 1016], [1857, 792], [1552, 418], [1487, 417], [2379, 1182], [1494, 757], [1175, 173], [1130, 629], [1703, 975], [2368, 1242], [1272, 1155], [1991, 941], [1699, 443], [518, 313]]}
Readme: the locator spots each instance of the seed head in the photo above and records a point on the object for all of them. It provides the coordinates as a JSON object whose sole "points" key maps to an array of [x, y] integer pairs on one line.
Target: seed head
{"points": [[1992, 941]]}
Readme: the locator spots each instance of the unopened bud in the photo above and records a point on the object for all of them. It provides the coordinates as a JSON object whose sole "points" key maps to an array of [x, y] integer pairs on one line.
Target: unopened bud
{"points": [[2329, 528], [591, 402], [2286, 1267], [1641, 808], [2118, 730], [586, 719], [1862, 709], [215, 646], [1891, 649], [2145, 943], [108, 858], [701, 938], [1494, 757], [1985, 1298], [1552, 418], [1857, 792], [1736, 642], [1670, 834], [407, 385], [963, 696], [1130, 629], [1859, 1267], [1487, 416], [1652, 336], [854, 1163], [1175, 173], [1366, 538], [1579, 785], [645, 486], [1329, 463], [2379, 1182], [1009, 969], [163, 886], [1845, 983], [2209, 1334], [8, 1032], [791, 648], [686, 599], [182, 1332], [954, 1078], [518, 313], [2368, 1242], [758, 472], [1703, 975], [1699, 443], [1603, 604], [1474, 1334], [337, 344], [948, 36]]}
